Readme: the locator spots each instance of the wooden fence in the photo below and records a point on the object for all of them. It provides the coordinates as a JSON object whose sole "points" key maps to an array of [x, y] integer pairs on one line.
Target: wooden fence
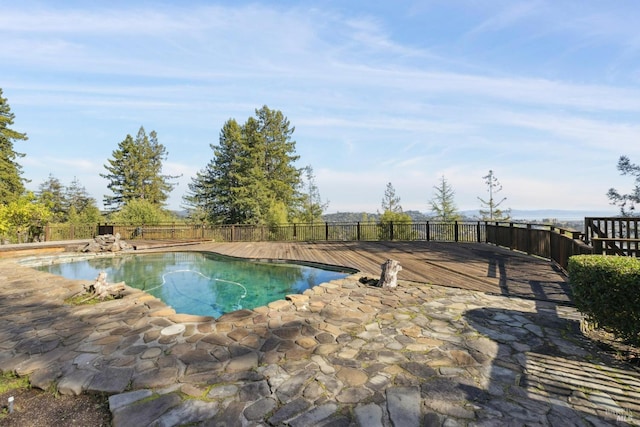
{"points": [[545, 241], [359, 231], [613, 235]]}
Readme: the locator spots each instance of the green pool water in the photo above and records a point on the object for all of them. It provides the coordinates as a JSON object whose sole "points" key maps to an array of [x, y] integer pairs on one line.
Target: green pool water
{"points": [[201, 283]]}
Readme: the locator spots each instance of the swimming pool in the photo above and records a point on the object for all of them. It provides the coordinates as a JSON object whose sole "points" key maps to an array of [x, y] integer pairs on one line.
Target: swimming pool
{"points": [[202, 283]]}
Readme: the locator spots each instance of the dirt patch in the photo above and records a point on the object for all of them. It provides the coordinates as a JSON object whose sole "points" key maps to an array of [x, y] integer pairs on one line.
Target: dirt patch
{"points": [[615, 348], [32, 407]]}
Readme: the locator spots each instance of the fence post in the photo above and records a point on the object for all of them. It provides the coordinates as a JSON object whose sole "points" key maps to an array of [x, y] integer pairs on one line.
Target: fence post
{"points": [[358, 231], [391, 230], [597, 245], [326, 231], [428, 232], [486, 232], [511, 236], [456, 231], [529, 239]]}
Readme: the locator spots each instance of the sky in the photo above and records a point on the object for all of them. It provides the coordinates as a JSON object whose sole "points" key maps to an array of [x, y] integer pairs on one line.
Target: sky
{"points": [[546, 94]]}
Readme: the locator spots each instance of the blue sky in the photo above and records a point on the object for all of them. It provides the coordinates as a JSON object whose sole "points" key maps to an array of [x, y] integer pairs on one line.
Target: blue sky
{"points": [[544, 93]]}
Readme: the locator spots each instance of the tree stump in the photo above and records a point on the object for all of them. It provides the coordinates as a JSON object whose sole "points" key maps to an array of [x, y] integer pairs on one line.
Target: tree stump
{"points": [[389, 276], [101, 289]]}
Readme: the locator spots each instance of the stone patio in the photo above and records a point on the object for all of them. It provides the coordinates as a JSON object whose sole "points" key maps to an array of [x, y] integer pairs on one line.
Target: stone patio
{"points": [[342, 353]]}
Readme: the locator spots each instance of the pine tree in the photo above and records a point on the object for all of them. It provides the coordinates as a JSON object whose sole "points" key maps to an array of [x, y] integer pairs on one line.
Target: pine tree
{"points": [[11, 181], [215, 191], [626, 202], [392, 214], [251, 179], [492, 212], [135, 171], [80, 206], [51, 193], [443, 204], [390, 202], [312, 205]]}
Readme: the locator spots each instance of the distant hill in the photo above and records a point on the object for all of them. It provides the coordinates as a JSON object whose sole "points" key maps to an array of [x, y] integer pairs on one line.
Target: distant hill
{"points": [[553, 215], [541, 214], [365, 216]]}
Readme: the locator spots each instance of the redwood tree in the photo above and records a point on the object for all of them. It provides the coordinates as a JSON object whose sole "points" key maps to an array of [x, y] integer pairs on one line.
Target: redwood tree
{"points": [[251, 178], [11, 181], [135, 171]]}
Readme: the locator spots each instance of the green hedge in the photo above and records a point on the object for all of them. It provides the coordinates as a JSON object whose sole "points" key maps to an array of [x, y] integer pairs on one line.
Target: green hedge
{"points": [[606, 289]]}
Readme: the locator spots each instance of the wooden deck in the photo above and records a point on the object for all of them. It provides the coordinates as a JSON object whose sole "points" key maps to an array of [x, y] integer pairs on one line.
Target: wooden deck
{"points": [[473, 266]]}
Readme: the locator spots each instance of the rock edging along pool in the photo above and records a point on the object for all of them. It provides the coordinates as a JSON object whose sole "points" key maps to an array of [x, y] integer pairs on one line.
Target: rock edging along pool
{"points": [[199, 283]]}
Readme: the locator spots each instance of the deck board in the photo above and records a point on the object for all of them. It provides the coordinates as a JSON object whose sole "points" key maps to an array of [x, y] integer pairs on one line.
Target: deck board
{"points": [[473, 266]]}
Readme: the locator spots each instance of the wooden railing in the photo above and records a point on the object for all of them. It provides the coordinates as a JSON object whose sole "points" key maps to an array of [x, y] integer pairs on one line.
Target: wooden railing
{"points": [[546, 241], [613, 235], [359, 231]]}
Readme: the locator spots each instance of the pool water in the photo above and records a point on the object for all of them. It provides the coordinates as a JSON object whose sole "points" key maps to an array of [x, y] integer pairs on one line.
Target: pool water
{"points": [[201, 283]]}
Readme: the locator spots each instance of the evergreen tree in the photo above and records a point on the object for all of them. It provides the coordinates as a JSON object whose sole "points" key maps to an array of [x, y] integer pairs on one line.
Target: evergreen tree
{"points": [[492, 211], [391, 202], [135, 171], [626, 202], [11, 181], [443, 204], [215, 191], [68, 204], [312, 205], [251, 178], [392, 214], [80, 206], [51, 193]]}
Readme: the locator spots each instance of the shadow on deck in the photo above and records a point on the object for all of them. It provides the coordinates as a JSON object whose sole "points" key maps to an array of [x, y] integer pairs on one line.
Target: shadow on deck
{"points": [[472, 266]]}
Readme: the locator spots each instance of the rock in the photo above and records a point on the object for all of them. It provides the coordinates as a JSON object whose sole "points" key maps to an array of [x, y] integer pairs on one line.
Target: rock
{"points": [[106, 243], [404, 406], [145, 412]]}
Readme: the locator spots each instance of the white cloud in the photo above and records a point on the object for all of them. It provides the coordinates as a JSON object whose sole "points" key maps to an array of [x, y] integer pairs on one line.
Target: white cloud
{"points": [[372, 101]]}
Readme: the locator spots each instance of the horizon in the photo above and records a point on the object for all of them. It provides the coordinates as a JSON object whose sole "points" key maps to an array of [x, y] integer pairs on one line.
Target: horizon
{"points": [[543, 93]]}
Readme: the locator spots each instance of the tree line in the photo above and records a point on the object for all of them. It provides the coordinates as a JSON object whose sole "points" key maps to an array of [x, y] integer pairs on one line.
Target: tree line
{"points": [[252, 178]]}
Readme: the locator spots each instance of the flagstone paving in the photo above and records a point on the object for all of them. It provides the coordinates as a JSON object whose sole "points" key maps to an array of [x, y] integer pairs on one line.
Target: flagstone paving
{"points": [[341, 354]]}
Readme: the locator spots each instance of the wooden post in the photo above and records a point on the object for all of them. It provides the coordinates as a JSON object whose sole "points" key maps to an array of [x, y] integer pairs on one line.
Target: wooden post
{"points": [[389, 275], [597, 245], [511, 236]]}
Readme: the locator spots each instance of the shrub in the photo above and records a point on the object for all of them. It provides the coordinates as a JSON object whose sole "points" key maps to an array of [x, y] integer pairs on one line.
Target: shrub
{"points": [[606, 289]]}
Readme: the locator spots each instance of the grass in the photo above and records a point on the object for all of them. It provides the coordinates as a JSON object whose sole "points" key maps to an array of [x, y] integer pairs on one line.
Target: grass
{"points": [[86, 299], [81, 299], [9, 381]]}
